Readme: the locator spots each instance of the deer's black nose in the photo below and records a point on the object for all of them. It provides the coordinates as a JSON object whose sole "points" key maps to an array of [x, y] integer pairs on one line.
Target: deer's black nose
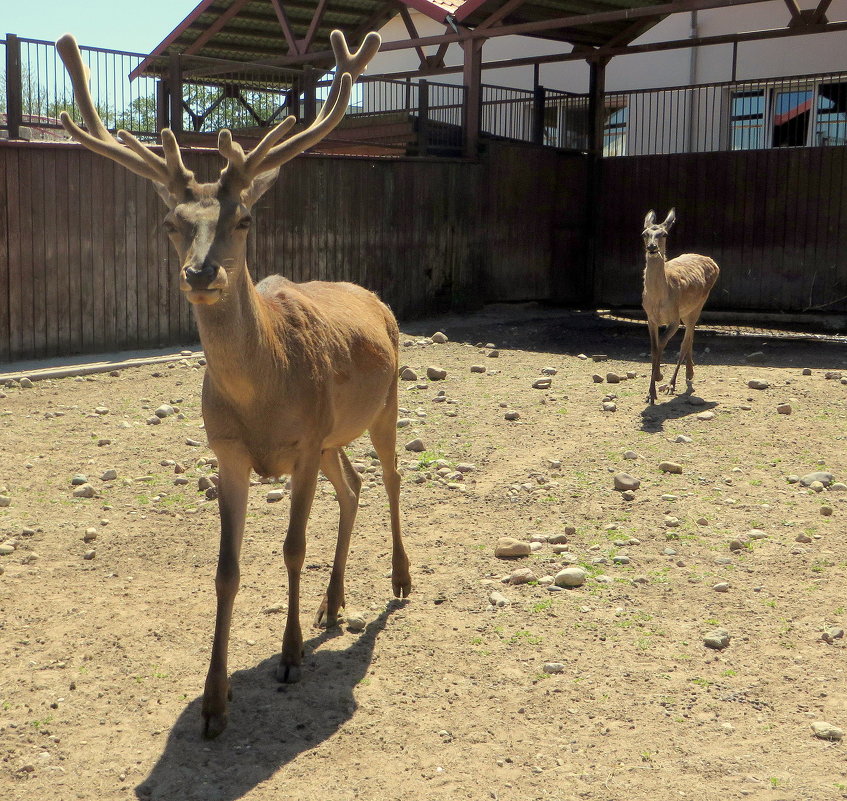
{"points": [[200, 277]]}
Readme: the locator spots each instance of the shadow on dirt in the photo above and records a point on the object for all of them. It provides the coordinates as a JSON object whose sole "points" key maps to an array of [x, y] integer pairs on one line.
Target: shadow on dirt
{"points": [[654, 417], [270, 724], [534, 326]]}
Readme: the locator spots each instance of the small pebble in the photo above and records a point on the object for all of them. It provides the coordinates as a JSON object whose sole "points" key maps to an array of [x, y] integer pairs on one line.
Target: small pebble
{"points": [[512, 416], [624, 481], [436, 373], [439, 337], [542, 383], [477, 368], [416, 446], [706, 416], [553, 667], [717, 639], [758, 383], [670, 467], [498, 599], [90, 535], [408, 374], [570, 577], [784, 408]]}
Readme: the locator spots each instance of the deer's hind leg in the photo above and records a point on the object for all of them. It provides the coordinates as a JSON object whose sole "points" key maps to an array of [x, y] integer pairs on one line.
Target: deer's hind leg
{"points": [[347, 483], [383, 433], [686, 349]]}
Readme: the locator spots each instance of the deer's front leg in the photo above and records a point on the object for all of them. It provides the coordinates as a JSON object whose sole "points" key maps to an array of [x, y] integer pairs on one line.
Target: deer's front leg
{"points": [[304, 479], [233, 487], [655, 360]]}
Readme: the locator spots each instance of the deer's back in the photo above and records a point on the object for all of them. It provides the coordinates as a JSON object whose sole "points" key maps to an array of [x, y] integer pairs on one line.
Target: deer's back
{"points": [[691, 272]]}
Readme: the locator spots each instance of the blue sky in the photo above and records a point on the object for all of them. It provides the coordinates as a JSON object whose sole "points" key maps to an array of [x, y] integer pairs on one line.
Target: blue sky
{"points": [[135, 27]]}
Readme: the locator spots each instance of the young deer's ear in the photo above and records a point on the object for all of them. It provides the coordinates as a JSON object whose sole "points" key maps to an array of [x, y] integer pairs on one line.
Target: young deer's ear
{"points": [[669, 220], [650, 219], [259, 185]]}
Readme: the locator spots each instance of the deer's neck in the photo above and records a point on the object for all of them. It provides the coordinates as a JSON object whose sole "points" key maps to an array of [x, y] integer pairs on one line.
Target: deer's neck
{"points": [[236, 338], [655, 278]]}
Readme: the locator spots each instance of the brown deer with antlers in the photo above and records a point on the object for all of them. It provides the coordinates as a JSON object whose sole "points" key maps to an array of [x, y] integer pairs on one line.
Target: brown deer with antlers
{"points": [[294, 371], [673, 290]]}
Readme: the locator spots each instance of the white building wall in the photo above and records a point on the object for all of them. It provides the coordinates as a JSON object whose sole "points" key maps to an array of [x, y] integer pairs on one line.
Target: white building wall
{"points": [[794, 55]]}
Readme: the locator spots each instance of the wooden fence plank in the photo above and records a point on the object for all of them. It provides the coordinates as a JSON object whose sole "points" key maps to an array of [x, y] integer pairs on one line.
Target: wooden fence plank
{"points": [[6, 161]]}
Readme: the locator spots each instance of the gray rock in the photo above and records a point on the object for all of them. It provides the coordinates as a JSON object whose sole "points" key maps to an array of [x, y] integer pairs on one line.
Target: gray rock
{"points": [[498, 599], [439, 337], [78, 480], [570, 577], [630, 455], [624, 481], [509, 547], [553, 667], [827, 511], [275, 495], [477, 368], [356, 622], [832, 634], [670, 467], [565, 555], [823, 477], [683, 439], [165, 410], [832, 375], [493, 354], [88, 555], [706, 415], [84, 491], [806, 371], [628, 495], [610, 406], [717, 639], [826, 731], [408, 374], [512, 416], [436, 373], [109, 475], [721, 586], [597, 378], [613, 378], [784, 408], [758, 383], [523, 575], [155, 420], [549, 371], [542, 383], [90, 534], [5, 501], [621, 559], [416, 446]]}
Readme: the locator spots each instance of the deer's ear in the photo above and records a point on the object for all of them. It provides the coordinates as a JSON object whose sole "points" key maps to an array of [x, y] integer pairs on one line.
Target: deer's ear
{"points": [[260, 184], [669, 220], [650, 219]]}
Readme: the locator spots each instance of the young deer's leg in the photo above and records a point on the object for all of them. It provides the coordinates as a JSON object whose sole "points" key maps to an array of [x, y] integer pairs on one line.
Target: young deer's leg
{"points": [[686, 349], [663, 343], [383, 433], [347, 483], [655, 358], [304, 479], [233, 487]]}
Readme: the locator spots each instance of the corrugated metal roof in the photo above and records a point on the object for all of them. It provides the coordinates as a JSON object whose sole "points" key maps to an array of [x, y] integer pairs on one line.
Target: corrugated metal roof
{"points": [[250, 30]]}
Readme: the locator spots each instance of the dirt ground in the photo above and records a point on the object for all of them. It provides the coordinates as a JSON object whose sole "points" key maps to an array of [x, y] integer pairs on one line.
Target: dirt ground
{"points": [[102, 659]]}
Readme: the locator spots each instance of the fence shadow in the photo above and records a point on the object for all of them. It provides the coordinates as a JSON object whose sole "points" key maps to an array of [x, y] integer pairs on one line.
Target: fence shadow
{"points": [[270, 724]]}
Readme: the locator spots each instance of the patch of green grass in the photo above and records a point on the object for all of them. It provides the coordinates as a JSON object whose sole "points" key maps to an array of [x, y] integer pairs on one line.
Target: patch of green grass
{"points": [[528, 637], [542, 606], [701, 682]]}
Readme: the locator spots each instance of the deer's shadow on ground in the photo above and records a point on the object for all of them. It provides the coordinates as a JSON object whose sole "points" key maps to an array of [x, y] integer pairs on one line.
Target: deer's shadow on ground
{"points": [[269, 723], [654, 416]]}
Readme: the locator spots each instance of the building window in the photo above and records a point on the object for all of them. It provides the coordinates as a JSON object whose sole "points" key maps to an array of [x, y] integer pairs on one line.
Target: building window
{"points": [[614, 131], [831, 122], [792, 117]]}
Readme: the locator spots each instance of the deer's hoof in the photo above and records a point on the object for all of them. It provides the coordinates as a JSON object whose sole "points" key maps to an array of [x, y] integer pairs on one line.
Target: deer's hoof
{"points": [[214, 724], [288, 674], [324, 619]]}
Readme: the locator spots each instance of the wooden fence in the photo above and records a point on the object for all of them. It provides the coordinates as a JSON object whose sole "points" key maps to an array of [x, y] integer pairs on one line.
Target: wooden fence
{"points": [[86, 267]]}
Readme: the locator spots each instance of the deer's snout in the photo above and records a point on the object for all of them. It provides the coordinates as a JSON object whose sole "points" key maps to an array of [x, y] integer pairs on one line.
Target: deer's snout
{"points": [[203, 283], [652, 247]]}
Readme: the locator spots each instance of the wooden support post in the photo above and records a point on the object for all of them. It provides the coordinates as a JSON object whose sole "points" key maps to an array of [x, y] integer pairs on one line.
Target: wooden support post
{"points": [[14, 86], [472, 77], [162, 116], [539, 97], [423, 118], [175, 90], [594, 189], [310, 102]]}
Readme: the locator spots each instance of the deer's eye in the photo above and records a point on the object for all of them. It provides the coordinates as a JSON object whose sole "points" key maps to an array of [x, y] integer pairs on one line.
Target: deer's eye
{"points": [[244, 222]]}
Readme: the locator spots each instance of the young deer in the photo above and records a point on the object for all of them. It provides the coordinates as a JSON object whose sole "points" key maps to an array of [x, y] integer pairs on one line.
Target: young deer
{"points": [[673, 290], [294, 371]]}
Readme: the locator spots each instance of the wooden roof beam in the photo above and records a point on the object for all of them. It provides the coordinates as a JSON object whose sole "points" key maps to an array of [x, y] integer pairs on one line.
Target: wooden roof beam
{"points": [[285, 25], [317, 18], [500, 14], [413, 33]]}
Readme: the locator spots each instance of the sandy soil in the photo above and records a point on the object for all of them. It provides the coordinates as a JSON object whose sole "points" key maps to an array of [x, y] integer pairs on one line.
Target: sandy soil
{"points": [[102, 660]]}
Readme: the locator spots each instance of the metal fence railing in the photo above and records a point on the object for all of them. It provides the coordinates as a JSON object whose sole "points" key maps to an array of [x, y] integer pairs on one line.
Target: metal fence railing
{"points": [[201, 95]]}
